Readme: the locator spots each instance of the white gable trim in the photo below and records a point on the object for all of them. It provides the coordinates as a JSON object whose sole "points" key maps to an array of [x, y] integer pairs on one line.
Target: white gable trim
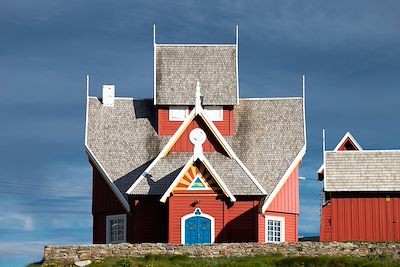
{"points": [[107, 178], [209, 167], [284, 178], [348, 135], [198, 110]]}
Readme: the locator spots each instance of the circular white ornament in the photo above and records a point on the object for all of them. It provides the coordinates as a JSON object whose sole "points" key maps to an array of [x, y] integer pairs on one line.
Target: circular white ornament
{"points": [[197, 136]]}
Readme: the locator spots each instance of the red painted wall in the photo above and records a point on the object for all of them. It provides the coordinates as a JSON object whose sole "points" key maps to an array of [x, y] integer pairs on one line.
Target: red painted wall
{"points": [[365, 218], [235, 222], [285, 204], [104, 202], [167, 127], [326, 230], [287, 200], [183, 143], [148, 221]]}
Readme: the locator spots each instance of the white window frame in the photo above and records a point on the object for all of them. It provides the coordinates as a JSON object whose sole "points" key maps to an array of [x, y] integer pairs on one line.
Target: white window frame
{"points": [[109, 218], [214, 113], [174, 117], [190, 215], [283, 229]]}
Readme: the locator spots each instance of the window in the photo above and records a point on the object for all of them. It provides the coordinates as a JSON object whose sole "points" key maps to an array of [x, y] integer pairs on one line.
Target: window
{"points": [[214, 113], [274, 229], [178, 113], [116, 228]]}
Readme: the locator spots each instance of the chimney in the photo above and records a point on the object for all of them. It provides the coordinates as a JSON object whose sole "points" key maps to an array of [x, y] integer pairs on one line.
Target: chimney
{"points": [[108, 95]]}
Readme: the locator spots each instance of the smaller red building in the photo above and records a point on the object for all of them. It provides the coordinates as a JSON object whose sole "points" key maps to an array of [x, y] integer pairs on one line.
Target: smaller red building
{"points": [[361, 193]]}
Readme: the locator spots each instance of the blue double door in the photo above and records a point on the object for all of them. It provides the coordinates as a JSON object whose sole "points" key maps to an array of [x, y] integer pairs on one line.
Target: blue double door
{"points": [[197, 230]]}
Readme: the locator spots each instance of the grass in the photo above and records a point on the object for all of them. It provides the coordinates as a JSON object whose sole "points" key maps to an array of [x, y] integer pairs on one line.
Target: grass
{"points": [[275, 260]]}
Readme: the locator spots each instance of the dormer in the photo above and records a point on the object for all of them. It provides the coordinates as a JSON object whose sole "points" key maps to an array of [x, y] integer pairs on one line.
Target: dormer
{"points": [[177, 69], [348, 142]]}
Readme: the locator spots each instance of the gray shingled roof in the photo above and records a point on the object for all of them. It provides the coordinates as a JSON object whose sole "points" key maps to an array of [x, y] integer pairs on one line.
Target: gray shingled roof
{"points": [[178, 68], [123, 138], [362, 171], [165, 171], [269, 135]]}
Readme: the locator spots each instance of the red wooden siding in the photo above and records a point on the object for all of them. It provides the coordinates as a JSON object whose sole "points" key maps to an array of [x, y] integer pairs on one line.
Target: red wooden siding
{"points": [[104, 202], [241, 224], [286, 204], [291, 225], [261, 228], [235, 222], [183, 143], [148, 221], [167, 127], [366, 219], [103, 198], [287, 200], [326, 231]]}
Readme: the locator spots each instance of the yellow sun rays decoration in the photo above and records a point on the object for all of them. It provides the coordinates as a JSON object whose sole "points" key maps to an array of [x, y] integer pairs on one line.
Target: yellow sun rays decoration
{"points": [[193, 173]]}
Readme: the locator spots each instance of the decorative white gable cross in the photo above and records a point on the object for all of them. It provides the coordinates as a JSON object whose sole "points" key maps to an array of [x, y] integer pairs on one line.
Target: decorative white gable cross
{"points": [[198, 99]]}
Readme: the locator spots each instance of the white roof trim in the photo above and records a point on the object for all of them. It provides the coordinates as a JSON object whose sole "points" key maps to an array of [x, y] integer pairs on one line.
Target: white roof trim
{"points": [[107, 178], [341, 142], [209, 167], [284, 178]]}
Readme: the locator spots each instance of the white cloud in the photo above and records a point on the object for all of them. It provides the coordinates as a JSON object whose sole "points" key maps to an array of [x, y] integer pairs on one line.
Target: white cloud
{"points": [[16, 221]]}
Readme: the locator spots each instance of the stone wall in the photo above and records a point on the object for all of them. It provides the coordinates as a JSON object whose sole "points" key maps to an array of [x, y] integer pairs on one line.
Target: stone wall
{"points": [[75, 253]]}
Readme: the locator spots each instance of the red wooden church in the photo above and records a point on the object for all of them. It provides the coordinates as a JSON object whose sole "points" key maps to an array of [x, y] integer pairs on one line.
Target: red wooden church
{"points": [[195, 164], [361, 193]]}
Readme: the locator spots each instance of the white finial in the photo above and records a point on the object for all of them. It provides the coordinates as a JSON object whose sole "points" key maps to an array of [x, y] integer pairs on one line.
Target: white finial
{"points": [[198, 98], [154, 34], [237, 34], [87, 85]]}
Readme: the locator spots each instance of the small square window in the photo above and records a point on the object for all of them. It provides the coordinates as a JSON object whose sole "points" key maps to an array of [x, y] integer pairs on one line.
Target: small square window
{"points": [[178, 113], [116, 228], [214, 113]]}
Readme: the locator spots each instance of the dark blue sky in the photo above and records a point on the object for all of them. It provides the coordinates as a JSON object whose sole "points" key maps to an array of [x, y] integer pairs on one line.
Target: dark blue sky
{"points": [[348, 50]]}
